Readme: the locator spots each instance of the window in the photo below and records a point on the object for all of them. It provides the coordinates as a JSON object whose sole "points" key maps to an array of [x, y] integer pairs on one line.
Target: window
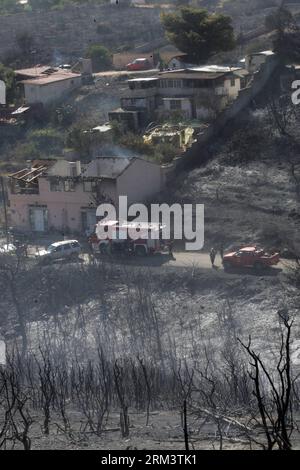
{"points": [[232, 82], [67, 246], [69, 185], [57, 249], [175, 105], [89, 186], [55, 185]]}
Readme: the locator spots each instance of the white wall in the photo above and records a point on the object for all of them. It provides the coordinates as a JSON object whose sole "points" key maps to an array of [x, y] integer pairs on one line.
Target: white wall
{"points": [[2, 92], [232, 90], [46, 93], [140, 181]]}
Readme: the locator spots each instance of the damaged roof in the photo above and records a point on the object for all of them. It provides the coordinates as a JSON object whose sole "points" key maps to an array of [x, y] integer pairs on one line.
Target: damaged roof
{"points": [[31, 175], [42, 75], [33, 72]]}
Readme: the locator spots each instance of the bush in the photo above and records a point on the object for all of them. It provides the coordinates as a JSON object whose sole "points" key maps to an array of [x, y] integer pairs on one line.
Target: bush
{"points": [[47, 138], [100, 56]]}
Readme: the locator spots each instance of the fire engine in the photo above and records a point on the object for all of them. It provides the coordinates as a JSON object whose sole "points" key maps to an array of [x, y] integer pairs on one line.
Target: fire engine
{"points": [[150, 239]]}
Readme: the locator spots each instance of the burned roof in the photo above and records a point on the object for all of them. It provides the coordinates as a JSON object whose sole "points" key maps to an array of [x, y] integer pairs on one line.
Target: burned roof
{"points": [[34, 72], [58, 76], [31, 175], [44, 74]]}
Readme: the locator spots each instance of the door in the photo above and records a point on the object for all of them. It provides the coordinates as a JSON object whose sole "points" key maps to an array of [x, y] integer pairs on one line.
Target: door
{"points": [[91, 221], [38, 219]]}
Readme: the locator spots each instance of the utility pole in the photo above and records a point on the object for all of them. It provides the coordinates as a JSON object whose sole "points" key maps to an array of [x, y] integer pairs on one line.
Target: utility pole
{"points": [[5, 209]]}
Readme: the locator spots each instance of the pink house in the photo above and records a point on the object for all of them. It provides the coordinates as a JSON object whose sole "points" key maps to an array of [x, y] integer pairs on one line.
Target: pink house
{"points": [[62, 195]]}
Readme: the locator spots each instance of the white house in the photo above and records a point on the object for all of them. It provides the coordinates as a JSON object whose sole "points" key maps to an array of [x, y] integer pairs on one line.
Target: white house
{"points": [[46, 84]]}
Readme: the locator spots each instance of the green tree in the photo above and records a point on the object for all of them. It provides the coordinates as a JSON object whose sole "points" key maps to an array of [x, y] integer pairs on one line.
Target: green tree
{"points": [[100, 56], [198, 33]]}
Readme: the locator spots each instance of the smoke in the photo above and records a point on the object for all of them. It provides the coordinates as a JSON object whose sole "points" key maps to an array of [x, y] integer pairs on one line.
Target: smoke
{"points": [[57, 58], [112, 150]]}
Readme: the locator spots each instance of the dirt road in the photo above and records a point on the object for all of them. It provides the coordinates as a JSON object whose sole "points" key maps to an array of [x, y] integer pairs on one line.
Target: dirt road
{"points": [[194, 260], [119, 73], [180, 259]]}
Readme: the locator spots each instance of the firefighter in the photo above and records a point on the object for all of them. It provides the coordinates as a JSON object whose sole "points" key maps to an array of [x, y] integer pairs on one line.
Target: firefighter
{"points": [[212, 255]]}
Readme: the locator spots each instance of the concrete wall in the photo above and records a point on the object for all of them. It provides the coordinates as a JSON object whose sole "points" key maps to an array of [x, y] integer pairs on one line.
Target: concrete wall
{"points": [[47, 93], [185, 107], [64, 208], [232, 90], [141, 181]]}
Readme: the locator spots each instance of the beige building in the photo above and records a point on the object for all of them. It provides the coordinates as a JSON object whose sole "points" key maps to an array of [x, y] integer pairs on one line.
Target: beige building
{"points": [[62, 195]]}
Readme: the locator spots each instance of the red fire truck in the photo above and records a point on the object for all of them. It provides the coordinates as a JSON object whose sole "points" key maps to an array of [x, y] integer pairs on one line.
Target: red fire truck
{"points": [[117, 238]]}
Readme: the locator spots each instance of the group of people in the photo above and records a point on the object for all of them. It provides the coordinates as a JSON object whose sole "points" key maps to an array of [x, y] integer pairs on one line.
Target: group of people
{"points": [[213, 253]]}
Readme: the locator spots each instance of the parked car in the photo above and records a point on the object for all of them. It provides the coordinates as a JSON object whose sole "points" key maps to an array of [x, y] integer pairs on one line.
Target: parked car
{"points": [[67, 249], [65, 66], [139, 64], [250, 256]]}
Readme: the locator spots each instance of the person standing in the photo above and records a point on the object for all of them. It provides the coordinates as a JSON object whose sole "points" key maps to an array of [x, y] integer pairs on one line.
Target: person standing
{"points": [[212, 255], [170, 249]]}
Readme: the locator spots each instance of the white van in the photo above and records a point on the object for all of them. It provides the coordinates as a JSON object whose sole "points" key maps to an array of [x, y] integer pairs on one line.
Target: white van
{"points": [[66, 249]]}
